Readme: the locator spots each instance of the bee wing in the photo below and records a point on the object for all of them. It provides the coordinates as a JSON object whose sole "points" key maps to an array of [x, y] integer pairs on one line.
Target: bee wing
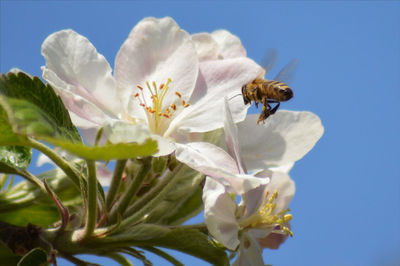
{"points": [[286, 75], [269, 59]]}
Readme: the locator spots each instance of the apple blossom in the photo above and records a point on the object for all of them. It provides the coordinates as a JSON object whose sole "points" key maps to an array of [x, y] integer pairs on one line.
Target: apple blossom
{"points": [[161, 80], [263, 209]]}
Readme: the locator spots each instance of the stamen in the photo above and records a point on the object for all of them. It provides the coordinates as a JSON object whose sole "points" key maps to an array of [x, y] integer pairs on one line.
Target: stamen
{"points": [[155, 109], [264, 218]]}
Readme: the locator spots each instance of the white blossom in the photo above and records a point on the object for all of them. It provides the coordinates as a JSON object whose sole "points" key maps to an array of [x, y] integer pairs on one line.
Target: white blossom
{"points": [[161, 80]]}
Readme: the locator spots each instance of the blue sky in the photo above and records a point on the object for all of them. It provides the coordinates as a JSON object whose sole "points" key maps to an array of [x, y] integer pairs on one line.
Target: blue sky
{"points": [[346, 208]]}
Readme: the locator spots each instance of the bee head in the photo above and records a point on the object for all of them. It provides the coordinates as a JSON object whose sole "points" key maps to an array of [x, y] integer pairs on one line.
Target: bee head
{"points": [[287, 92]]}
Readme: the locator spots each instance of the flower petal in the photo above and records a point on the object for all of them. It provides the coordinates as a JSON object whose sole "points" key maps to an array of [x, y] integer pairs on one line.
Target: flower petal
{"points": [[216, 80], [120, 131], [155, 51], [231, 138], [286, 188], [207, 48], [250, 255], [219, 214], [284, 138], [230, 45], [73, 59], [75, 103], [281, 182], [216, 163]]}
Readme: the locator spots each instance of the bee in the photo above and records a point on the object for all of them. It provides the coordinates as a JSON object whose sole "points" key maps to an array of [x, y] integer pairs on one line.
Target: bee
{"points": [[269, 92]]}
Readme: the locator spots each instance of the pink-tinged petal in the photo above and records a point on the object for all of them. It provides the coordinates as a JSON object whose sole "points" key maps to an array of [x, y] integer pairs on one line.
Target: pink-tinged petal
{"points": [[219, 214], [231, 138], [274, 239], [281, 182], [73, 59], [284, 138], [207, 48], [230, 45], [75, 103], [216, 163], [81, 122], [156, 50], [216, 80], [286, 188], [255, 198], [250, 252]]}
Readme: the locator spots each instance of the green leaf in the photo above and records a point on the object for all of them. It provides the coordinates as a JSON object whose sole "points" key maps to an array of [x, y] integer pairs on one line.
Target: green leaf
{"points": [[108, 151], [7, 257], [42, 215], [6, 132], [35, 257], [182, 202], [14, 158], [187, 240], [189, 208], [195, 243], [24, 203], [33, 108]]}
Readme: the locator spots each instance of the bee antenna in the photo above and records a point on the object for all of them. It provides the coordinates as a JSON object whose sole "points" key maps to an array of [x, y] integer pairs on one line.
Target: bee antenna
{"points": [[234, 96]]}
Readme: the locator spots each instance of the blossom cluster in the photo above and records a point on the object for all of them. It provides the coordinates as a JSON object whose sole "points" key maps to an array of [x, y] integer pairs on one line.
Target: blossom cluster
{"points": [[176, 88]]}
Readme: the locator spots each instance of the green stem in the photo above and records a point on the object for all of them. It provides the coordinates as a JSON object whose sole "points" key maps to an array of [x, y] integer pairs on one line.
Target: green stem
{"points": [[91, 212], [164, 255], [121, 206], [30, 177], [148, 202], [119, 258], [116, 180], [68, 169]]}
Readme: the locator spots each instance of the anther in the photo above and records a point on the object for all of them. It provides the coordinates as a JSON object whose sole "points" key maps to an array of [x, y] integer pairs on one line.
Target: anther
{"points": [[178, 94]]}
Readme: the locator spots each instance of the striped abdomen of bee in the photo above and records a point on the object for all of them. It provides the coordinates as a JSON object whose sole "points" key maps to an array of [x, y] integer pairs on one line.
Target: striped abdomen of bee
{"points": [[266, 92]]}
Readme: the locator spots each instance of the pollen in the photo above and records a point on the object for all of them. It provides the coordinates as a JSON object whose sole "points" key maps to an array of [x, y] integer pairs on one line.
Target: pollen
{"points": [[156, 109], [265, 217]]}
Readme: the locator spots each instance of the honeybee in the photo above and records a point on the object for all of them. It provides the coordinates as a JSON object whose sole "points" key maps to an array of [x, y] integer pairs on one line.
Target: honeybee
{"points": [[268, 92]]}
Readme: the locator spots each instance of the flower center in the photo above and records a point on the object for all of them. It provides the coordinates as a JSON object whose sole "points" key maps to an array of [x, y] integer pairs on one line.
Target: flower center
{"points": [[158, 114], [265, 218]]}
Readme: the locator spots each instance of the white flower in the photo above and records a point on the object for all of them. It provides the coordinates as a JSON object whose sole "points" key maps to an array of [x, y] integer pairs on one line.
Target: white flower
{"points": [[261, 212], [161, 80], [263, 209]]}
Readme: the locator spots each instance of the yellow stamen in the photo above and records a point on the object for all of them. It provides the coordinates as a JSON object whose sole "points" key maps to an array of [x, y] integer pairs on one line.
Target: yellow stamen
{"points": [[156, 112], [264, 217]]}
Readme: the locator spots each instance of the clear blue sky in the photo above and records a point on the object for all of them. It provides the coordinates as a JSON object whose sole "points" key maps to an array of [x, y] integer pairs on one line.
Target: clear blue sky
{"points": [[346, 208]]}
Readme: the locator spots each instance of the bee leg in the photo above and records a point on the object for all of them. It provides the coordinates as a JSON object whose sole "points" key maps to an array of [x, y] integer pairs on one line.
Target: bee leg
{"points": [[266, 111], [273, 111], [261, 118]]}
